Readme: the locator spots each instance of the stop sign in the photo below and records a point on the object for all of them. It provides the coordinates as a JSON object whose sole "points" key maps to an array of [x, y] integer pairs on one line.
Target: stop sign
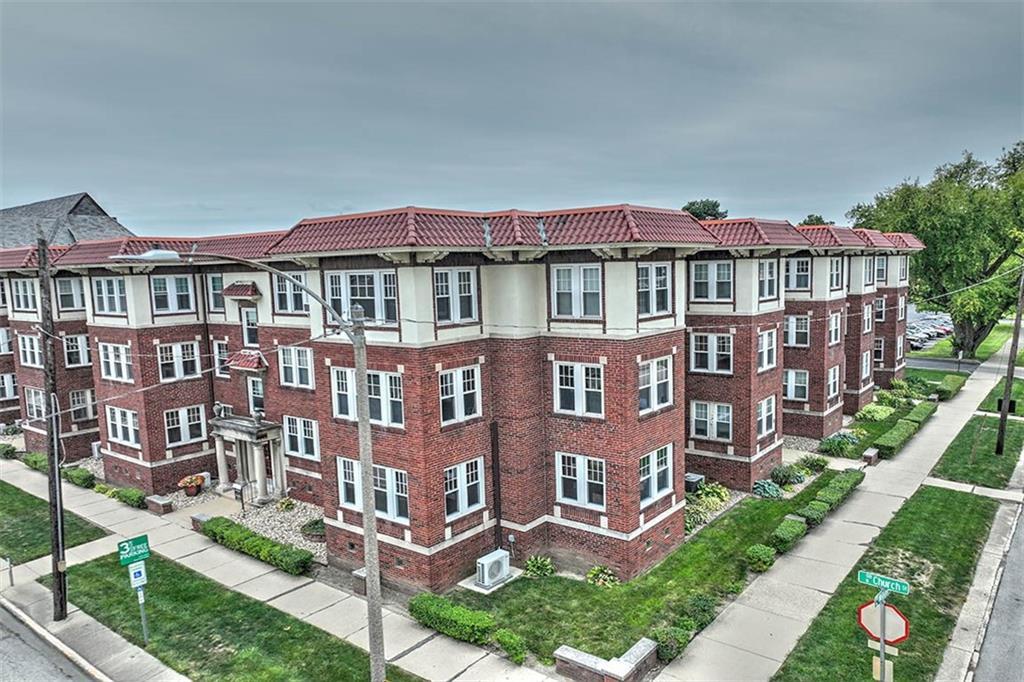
{"points": [[897, 626]]}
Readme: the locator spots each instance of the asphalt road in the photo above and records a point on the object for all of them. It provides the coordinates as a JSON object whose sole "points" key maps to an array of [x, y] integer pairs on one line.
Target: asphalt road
{"points": [[24, 657], [1002, 653], [942, 364]]}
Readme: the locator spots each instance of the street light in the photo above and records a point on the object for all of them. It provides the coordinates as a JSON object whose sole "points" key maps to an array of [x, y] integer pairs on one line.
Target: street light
{"points": [[355, 330]]}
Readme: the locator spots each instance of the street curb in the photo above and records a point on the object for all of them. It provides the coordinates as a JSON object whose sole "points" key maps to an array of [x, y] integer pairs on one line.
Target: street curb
{"points": [[72, 655]]}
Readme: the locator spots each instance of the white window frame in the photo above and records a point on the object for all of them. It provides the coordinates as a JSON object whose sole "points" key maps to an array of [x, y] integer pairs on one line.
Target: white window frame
{"points": [[220, 359], [582, 376], [251, 393], [904, 269], [289, 298], [452, 385], [295, 359], [767, 279], [250, 326], [651, 280], [30, 350], [457, 482], [35, 403], [109, 296], [578, 277], [185, 418], [878, 350], [587, 471], [715, 268], [869, 271], [174, 306], [77, 344], [865, 364], [835, 273], [716, 414], [880, 309], [901, 308], [835, 328], [339, 294], [8, 386], [651, 376], [6, 347], [75, 289], [881, 268], [793, 274], [653, 466], [116, 363], [176, 355], [82, 404], [792, 331], [792, 381], [867, 318], [213, 292], [302, 429], [385, 387], [452, 286], [832, 385], [766, 415], [767, 350], [395, 482], [24, 294], [123, 427], [900, 347], [714, 352]]}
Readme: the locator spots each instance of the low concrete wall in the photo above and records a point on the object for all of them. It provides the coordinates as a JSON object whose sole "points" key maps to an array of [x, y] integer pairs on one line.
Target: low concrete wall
{"points": [[629, 667]]}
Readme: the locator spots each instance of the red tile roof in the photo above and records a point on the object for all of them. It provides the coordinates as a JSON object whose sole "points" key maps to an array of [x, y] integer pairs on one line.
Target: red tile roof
{"points": [[873, 238], [239, 245], [831, 235], [24, 257], [755, 232], [247, 360], [241, 290], [905, 240]]}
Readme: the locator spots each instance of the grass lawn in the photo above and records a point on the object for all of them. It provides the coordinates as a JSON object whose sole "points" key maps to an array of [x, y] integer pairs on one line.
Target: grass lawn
{"points": [[971, 458], [207, 632], [944, 347], [25, 526], [990, 402], [873, 430], [933, 541], [1020, 358], [932, 375], [549, 612]]}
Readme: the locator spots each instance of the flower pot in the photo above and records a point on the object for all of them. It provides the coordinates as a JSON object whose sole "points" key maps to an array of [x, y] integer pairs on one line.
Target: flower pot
{"points": [[192, 490]]}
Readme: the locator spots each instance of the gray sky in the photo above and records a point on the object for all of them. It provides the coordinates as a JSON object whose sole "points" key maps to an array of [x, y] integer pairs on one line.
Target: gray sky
{"points": [[192, 119]]}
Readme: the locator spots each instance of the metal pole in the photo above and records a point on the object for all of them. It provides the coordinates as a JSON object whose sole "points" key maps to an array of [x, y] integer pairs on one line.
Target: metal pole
{"points": [[57, 563], [371, 558], [1010, 363], [881, 649], [142, 612]]}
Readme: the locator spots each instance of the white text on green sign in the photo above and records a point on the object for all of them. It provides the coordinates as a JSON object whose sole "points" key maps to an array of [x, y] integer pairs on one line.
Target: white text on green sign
{"points": [[883, 582], [132, 550]]}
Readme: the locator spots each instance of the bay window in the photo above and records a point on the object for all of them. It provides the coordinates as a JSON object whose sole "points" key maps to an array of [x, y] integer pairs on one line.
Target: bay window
{"points": [[869, 271], [5, 341], [881, 268], [8, 386], [880, 309], [903, 268], [172, 294], [30, 350], [833, 381], [867, 315], [35, 403], [109, 296], [865, 365], [835, 273], [375, 290], [215, 285], [879, 351], [901, 308], [23, 294], [835, 328]]}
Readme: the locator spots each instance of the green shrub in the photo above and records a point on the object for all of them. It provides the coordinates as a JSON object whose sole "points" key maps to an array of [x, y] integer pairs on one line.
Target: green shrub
{"points": [[671, 641], [813, 463], [37, 461], [786, 535], [102, 488], [538, 566], [919, 385], [838, 444], [7, 451], [760, 557], [839, 488], [512, 644], [602, 576], [438, 613], [696, 516], [814, 512], [713, 493], [893, 440], [83, 478], [950, 386], [787, 474], [235, 536], [829, 497], [701, 608], [133, 497], [767, 488], [892, 399], [285, 504], [905, 389], [314, 526], [922, 412], [874, 413]]}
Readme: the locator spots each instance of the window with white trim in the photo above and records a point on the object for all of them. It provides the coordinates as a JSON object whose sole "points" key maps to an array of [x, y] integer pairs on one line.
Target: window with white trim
{"points": [[900, 341], [8, 386], [881, 268], [835, 328], [385, 391], [797, 330], [580, 480], [711, 353], [655, 475], [463, 488], [879, 350], [455, 295], [302, 437], [766, 347], [288, 296], [835, 273], [123, 426], [390, 490], [865, 365], [116, 362], [576, 291], [35, 403], [256, 395], [296, 366], [215, 286], [178, 360], [653, 282], [655, 382], [880, 309], [711, 421], [903, 268], [3, 294], [579, 389], [901, 308], [185, 425], [220, 359], [82, 404], [460, 394], [109, 296], [794, 384], [711, 281], [250, 328], [798, 274], [375, 290], [766, 416], [767, 280], [172, 294], [30, 350], [5, 341], [867, 315], [833, 381], [23, 294], [869, 271], [76, 351], [70, 293]]}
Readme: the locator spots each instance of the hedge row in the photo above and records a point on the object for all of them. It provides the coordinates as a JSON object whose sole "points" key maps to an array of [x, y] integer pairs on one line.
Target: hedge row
{"points": [[438, 613], [83, 478], [893, 440], [786, 535], [133, 497], [8, 451], [839, 488], [950, 386], [922, 412], [288, 558]]}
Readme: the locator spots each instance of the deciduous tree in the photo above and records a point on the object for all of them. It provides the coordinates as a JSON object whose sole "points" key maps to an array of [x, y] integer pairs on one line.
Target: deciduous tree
{"points": [[705, 209], [816, 219]]}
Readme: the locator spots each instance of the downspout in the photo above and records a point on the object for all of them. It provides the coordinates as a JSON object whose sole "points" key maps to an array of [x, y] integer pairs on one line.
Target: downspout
{"points": [[496, 486]]}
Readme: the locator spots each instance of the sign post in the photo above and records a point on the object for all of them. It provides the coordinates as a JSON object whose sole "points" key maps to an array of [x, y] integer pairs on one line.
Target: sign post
{"points": [[871, 616], [133, 554]]}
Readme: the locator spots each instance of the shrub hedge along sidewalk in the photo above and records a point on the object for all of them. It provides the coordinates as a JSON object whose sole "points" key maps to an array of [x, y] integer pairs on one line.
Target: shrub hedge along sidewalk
{"points": [[932, 547], [25, 526], [971, 457], [288, 558], [893, 440]]}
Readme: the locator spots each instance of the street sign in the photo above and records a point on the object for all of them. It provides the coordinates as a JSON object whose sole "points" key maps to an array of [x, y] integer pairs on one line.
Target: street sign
{"points": [[882, 582], [137, 574], [896, 625], [142, 594], [132, 550]]}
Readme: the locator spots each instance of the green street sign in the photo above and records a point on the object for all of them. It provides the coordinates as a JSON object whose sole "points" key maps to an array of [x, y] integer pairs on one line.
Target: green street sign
{"points": [[883, 582], [132, 550]]}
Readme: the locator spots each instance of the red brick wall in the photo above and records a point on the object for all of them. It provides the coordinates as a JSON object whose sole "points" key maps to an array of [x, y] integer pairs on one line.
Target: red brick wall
{"points": [[890, 329], [856, 343], [819, 415]]}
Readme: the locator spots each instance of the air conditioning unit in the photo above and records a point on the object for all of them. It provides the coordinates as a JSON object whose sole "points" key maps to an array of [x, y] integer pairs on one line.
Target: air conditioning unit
{"points": [[492, 569], [96, 454], [693, 482]]}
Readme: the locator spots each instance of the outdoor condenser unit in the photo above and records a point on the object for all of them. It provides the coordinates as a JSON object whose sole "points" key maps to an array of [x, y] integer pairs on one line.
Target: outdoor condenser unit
{"points": [[492, 568]]}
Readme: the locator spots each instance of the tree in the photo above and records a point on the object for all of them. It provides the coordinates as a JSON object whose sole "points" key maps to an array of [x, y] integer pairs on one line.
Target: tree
{"points": [[971, 219], [815, 219], [705, 209]]}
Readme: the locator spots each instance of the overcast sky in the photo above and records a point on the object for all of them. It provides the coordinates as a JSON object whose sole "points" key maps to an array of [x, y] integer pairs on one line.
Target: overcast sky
{"points": [[192, 119]]}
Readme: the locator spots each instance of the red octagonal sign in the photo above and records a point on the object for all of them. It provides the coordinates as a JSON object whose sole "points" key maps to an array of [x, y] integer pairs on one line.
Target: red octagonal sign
{"points": [[897, 626]]}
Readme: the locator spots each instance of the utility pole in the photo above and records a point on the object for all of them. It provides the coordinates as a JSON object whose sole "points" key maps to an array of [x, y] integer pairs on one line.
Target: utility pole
{"points": [[1008, 389], [371, 558], [58, 565]]}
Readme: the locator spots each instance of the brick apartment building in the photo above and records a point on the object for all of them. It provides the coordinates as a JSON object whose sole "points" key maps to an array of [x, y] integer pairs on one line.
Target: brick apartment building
{"points": [[548, 376]]}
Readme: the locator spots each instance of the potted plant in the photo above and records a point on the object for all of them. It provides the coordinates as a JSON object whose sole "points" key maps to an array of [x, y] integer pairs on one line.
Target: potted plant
{"points": [[192, 484]]}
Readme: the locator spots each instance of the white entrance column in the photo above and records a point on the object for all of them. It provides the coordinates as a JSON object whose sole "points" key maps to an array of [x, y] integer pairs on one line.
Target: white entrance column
{"points": [[223, 482], [277, 464], [259, 461]]}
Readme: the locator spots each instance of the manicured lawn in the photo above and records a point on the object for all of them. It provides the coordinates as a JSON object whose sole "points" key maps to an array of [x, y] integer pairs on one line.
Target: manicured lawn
{"points": [[1020, 358], [932, 375], [25, 526], [971, 458], [933, 541], [207, 632], [549, 612], [872, 430], [990, 403], [944, 347]]}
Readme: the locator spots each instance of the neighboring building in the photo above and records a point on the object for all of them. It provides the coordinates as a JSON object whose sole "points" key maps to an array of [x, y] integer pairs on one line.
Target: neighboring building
{"points": [[62, 221], [548, 375]]}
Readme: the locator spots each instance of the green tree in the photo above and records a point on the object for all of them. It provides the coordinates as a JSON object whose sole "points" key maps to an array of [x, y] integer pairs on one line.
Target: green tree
{"points": [[816, 219], [705, 209], [971, 219]]}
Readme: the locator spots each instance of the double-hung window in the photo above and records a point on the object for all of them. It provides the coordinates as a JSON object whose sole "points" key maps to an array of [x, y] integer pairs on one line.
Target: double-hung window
{"points": [[835, 273], [655, 475], [865, 365], [109, 296], [653, 281], [185, 425], [711, 281], [35, 403], [296, 366], [794, 384], [655, 384], [798, 330], [833, 381], [3, 294], [880, 309], [250, 327], [375, 290], [5, 341], [903, 268], [178, 360], [580, 480], [385, 391], [76, 351], [579, 389], [30, 350], [711, 353], [23, 294], [70, 294], [257, 400], [901, 308], [220, 359], [460, 394], [302, 437], [576, 291], [711, 421], [766, 416], [123, 426], [867, 316], [215, 287], [869, 270], [767, 279], [8, 386], [881, 268], [455, 295], [288, 297], [900, 340], [879, 350], [463, 488], [798, 274], [116, 362], [173, 294], [83, 405], [766, 347], [835, 328], [390, 490]]}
